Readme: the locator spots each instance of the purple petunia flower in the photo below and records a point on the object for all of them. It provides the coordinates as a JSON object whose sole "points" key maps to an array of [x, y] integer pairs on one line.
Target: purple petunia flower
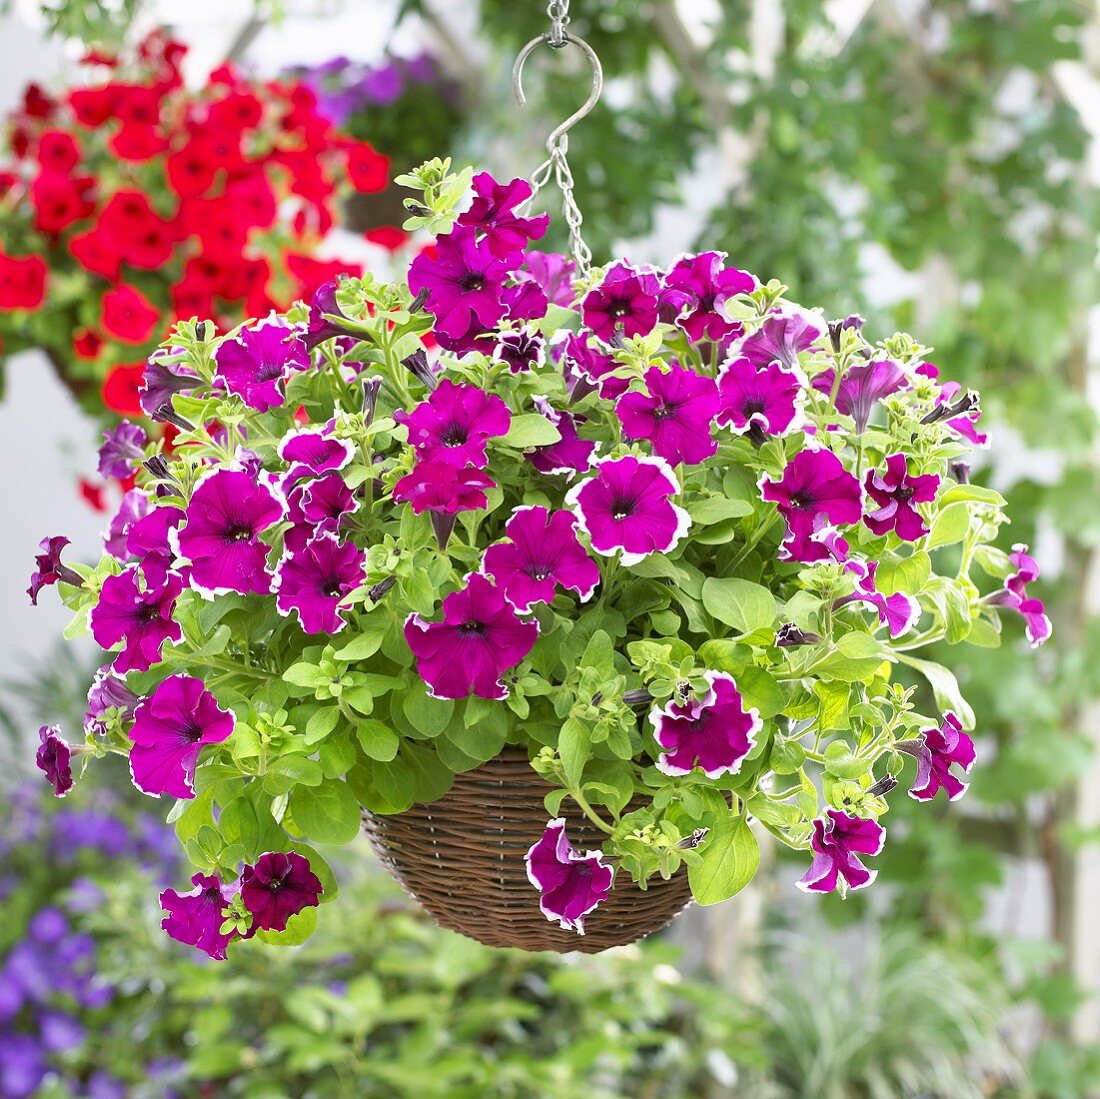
{"points": [[108, 692], [522, 349], [122, 450], [553, 273], [702, 286], [966, 424], [628, 506], [162, 381], [765, 400], [314, 579], [53, 759], [141, 618], [443, 487], [195, 918], [623, 304], [781, 337], [571, 884], [862, 387], [479, 639], [256, 364], [50, 570], [896, 492], [940, 748], [714, 735], [277, 886], [814, 491], [898, 612], [326, 501], [587, 368], [542, 552], [570, 454], [22, 1066], [170, 728], [493, 212], [147, 539], [464, 283], [838, 840], [59, 1031], [1014, 596], [322, 306], [312, 451], [133, 507], [453, 424], [225, 517], [675, 415]]}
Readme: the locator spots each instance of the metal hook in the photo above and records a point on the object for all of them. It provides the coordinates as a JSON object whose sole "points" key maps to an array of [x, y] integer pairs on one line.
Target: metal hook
{"points": [[593, 96]]}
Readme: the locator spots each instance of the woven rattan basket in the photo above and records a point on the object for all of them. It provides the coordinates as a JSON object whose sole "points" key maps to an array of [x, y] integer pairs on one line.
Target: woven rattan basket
{"points": [[461, 858]]}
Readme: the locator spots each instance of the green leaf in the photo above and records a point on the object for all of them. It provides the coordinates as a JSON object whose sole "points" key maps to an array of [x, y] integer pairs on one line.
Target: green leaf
{"points": [[745, 606], [950, 526], [857, 656], [321, 723], [368, 642], [531, 429], [715, 509], [832, 711], [729, 857], [377, 739], [429, 715], [574, 747], [239, 823], [904, 574], [978, 493], [761, 691], [304, 674], [483, 739], [328, 813], [299, 928], [945, 688]]}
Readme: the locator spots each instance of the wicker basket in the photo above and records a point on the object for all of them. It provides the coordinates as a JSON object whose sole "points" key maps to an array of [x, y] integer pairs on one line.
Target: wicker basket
{"points": [[461, 858]]}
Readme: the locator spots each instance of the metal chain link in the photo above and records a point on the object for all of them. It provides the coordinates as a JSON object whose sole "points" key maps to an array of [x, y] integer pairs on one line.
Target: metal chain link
{"points": [[556, 165], [558, 13]]}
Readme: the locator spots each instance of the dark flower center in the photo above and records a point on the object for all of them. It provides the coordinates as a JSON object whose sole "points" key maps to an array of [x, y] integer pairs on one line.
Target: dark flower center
{"points": [[238, 532], [192, 732], [268, 371], [147, 613], [753, 406], [664, 410], [332, 588], [904, 493], [454, 434], [622, 507], [473, 628], [801, 500], [582, 870], [619, 309], [538, 571], [472, 280]]}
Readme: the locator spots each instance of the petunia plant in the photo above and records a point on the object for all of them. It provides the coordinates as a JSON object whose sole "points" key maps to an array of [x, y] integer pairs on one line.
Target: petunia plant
{"points": [[681, 539]]}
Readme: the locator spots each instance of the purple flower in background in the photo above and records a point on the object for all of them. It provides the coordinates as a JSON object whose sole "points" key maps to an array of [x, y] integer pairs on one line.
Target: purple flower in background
{"points": [[479, 639], [522, 349], [53, 759], [134, 506], [22, 1066], [277, 887], [453, 424], [147, 539], [814, 492], [553, 273], [59, 1031], [493, 212], [702, 286], [195, 918], [255, 364], [313, 451], [227, 513], [940, 749], [628, 506], [897, 492], [714, 735], [102, 1085], [587, 368], [49, 569], [675, 415], [443, 487], [48, 925], [383, 85], [162, 381], [764, 400], [862, 387], [838, 840], [781, 337], [315, 579], [322, 306], [1014, 596], [170, 728], [140, 618], [122, 451], [623, 304], [542, 552], [463, 281], [570, 454], [571, 884]]}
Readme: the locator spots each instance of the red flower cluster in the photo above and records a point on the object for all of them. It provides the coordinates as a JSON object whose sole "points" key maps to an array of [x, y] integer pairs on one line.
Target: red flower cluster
{"points": [[171, 203]]}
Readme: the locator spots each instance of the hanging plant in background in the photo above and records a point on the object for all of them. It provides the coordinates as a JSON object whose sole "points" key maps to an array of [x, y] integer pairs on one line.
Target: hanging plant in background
{"points": [[130, 203]]}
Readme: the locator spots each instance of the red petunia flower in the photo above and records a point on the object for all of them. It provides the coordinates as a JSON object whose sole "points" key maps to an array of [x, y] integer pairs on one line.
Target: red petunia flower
{"points": [[22, 282], [121, 389], [128, 315]]}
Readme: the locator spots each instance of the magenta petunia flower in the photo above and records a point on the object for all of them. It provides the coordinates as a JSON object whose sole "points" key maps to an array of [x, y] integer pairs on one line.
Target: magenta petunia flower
{"points": [[147, 539], [675, 414], [322, 306], [479, 639], [326, 501], [312, 451], [225, 517], [49, 568], [897, 492], [493, 212], [443, 487], [256, 364], [195, 918], [898, 612], [765, 400], [623, 304], [940, 749], [587, 368], [814, 492], [453, 424], [132, 508], [139, 617], [162, 381], [522, 349], [277, 886], [571, 884], [542, 552], [714, 735], [702, 286], [54, 759], [838, 840], [108, 692], [463, 281], [782, 337], [170, 728], [122, 451], [1014, 596], [862, 387], [966, 423], [553, 273], [628, 506], [570, 454], [315, 579]]}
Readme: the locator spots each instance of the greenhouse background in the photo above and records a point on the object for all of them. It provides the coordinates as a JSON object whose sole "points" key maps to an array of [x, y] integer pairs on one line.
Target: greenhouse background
{"points": [[932, 165]]}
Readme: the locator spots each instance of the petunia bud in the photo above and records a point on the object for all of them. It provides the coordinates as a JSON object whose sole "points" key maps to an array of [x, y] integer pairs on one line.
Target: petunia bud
{"points": [[789, 636], [882, 787], [417, 364], [371, 387], [637, 698]]}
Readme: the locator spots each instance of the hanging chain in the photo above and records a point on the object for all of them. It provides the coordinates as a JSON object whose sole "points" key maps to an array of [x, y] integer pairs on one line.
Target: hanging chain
{"points": [[556, 165]]}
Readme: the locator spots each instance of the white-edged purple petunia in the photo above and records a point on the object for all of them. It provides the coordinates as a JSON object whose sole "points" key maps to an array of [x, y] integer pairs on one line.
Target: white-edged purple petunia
{"points": [[700, 286], [587, 367], [315, 579], [108, 694], [896, 492], [939, 750], [443, 487], [278, 885], [674, 414], [138, 616], [782, 337], [571, 884], [493, 213], [312, 451], [54, 759], [570, 454], [760, 400], [837, 842], [522, 349], [454, 423], [627, 507], [122, 451], [1015, 597], [257, 362], [714, 734], [623, 304], [862, 387]]}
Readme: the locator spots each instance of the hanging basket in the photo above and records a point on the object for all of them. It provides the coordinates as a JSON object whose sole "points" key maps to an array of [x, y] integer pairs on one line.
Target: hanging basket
{"points": [[462, 859]]}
